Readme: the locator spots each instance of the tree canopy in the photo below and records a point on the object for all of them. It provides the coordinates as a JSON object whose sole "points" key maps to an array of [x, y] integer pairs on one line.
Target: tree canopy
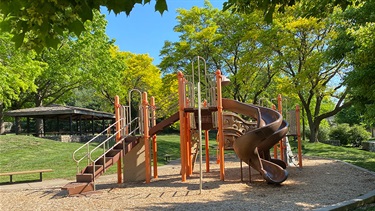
{"points": [[38, 24]]}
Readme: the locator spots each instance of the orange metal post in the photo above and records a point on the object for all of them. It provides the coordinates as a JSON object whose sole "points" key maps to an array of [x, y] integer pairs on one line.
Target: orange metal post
{"points": [[276, 145], [154, 144], [220, 124], [280, 108], [118, 135], [207, 151], [146, 137], [299, 136], [181, 94]]}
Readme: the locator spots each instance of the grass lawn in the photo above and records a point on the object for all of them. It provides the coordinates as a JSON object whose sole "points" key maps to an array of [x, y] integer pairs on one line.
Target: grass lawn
{"points": [[358, 157], [21, 153]]}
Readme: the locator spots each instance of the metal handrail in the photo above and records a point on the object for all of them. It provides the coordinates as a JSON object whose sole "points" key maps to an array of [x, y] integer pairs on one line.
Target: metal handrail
{"points": [[105, 141], [87, 144]]}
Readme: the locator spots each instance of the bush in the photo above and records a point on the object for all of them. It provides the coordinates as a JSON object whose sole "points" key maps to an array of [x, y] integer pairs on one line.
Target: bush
{"points": [[340, 132], [357, 134], [323, 133]]}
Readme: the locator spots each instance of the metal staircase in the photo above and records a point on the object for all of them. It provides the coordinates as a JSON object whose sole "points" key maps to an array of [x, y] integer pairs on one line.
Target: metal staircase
{"points": [[102, 155]]}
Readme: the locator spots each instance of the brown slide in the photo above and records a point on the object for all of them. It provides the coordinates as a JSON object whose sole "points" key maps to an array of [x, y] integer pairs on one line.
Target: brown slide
{"points": [[250, 146]]}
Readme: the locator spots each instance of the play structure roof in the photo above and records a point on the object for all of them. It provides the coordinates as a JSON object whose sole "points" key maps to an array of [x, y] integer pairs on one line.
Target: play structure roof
{"points": [[61, 111]]}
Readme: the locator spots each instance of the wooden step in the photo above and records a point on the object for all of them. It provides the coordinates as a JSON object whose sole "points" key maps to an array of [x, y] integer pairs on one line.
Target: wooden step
{"points": [[108, 161], [85, 177], [78, 187], [90, 169]]}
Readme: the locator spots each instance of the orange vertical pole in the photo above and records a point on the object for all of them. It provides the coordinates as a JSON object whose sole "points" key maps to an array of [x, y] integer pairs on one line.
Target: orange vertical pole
{"points": [[146, 137], [154, 144], [118, 135], [276, 145], [298, 127], [280, 108], [207, 151], [220, 124], [181, 94]]}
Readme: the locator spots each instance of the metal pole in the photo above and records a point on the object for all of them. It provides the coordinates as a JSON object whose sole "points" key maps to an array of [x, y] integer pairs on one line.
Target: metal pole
{"points": [[200, 136]]}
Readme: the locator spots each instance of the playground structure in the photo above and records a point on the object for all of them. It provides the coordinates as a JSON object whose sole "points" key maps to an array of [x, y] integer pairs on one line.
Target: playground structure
{"points": [[129, 146]]}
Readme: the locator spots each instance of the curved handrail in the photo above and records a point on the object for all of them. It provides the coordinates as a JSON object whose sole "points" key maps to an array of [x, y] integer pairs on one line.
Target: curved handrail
{"points": [[109, 138], [91, 140]]}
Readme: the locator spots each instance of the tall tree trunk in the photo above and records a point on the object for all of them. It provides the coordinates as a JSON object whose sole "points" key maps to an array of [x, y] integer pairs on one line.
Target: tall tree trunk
{"points": [[314, 131]]}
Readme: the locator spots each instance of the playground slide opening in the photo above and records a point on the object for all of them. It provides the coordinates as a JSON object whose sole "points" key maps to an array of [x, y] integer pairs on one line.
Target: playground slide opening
{"points": [[256, 143]]}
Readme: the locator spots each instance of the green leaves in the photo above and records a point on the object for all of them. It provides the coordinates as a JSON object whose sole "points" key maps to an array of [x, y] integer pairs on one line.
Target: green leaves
{"points": [[161, 6]]}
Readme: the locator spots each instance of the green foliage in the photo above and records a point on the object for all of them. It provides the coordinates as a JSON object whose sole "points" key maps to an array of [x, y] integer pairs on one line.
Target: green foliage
{"points": [[355, 43], [18, 70], [358, 134], [340, 132], [348, 115], [137, 72], [76, 63], [39, 24], [226, 41], [353, 135]]}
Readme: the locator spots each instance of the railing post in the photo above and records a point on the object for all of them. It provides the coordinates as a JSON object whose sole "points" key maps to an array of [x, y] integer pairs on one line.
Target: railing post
{"points": [[154, 143], [181, 94], [146, 137], [280, 108], [220, 124], [118, 135]]}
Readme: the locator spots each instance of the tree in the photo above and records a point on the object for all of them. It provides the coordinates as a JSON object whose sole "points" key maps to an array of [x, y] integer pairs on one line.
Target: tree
{"points": [[356, 43], [44, 21], [18, 72], [302, 47], [137, 72], [227, 42]]}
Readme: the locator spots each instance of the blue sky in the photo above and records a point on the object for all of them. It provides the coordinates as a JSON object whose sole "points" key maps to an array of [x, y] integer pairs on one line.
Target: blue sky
{"points": [[144, 31]]}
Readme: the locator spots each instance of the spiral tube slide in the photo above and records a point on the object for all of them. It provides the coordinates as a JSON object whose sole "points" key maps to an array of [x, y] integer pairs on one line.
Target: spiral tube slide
{"points": [[253, 146]]}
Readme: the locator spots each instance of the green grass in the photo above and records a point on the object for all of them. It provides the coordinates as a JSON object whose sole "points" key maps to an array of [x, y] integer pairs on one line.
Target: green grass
{"points": [[21, 153], [358, 157]]}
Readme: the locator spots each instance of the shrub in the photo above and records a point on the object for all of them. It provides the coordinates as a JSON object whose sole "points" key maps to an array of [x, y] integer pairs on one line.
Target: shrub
{"points": [[340, 132], [357, 134], [323, 133]]}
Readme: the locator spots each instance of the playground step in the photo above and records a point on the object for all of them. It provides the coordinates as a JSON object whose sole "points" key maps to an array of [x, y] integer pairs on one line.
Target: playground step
{"points": [[78, 187], [98, 169], [84, 177], [107, 163]]}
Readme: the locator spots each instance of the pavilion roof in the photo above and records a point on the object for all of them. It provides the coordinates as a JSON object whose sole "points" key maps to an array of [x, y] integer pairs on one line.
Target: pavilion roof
{"points": [[60, 111]]}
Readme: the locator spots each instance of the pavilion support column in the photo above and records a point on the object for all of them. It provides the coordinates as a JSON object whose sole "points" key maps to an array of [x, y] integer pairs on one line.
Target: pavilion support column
{"points": [[70, 124], [44, 127], [92, 125], [17, 122], [58, 125], [27, 125], [80, 125], [103, 125]]}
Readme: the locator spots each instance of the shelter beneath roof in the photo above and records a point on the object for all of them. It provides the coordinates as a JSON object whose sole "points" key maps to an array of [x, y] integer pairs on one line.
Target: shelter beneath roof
{"points": [[60, 121]]}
